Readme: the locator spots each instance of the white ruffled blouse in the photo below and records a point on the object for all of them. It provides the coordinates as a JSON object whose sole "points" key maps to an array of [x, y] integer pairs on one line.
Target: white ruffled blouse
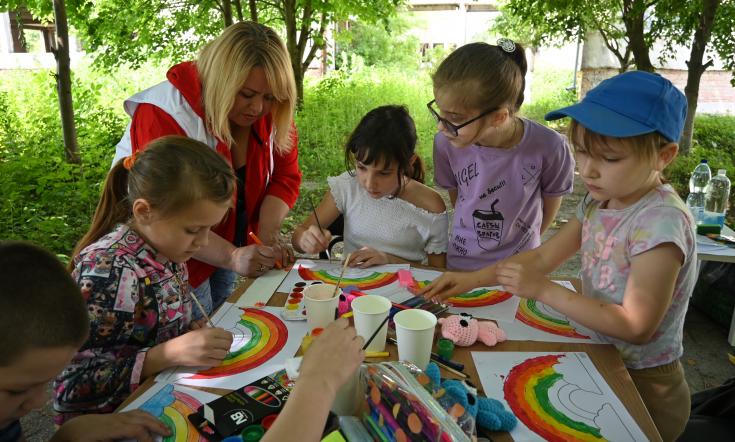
{"points": [[391, 225]]}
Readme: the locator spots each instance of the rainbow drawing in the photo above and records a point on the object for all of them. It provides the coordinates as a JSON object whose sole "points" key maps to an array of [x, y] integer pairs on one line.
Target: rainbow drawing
{"points": [[532, 315], [476, 298], [372, 280], [172, 408], [528, 389], [268, 335]]}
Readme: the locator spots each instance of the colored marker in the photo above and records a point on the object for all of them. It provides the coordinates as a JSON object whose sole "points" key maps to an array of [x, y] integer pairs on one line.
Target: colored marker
{"points": [[377, 354], [257, 241]]}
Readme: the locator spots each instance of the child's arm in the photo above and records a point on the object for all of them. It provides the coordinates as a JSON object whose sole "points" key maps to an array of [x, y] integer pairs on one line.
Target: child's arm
{"points": [[647, 297], [542, 260], [550, 209], [331, 360], [308, 238], [453, 196], [137, 425]]}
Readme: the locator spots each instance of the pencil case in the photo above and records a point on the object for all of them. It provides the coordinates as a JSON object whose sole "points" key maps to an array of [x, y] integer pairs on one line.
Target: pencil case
{"points": [[399, 405]]}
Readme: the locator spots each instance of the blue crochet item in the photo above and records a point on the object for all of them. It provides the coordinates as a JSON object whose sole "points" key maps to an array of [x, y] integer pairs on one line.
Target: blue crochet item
{"points": [[488, 413]]}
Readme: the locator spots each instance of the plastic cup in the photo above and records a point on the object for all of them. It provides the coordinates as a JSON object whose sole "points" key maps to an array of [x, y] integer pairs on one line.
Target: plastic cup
{"points": [[369, 312], [415, 334], [321, 304]]}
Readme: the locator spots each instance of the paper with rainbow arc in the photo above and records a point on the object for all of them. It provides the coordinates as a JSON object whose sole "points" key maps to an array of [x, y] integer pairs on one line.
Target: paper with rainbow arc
{"points": [[262, 342], [536, 321], [171, 404], [378, 280], [555, 396], [482, 302]]}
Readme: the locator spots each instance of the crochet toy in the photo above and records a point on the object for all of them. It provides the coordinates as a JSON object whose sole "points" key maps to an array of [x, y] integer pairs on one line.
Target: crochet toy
{"points": [[462, 402], [464, 330]]}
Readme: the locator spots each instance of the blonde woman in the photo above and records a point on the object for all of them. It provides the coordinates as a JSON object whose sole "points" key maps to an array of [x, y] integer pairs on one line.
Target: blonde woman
{"points": [[238, 97]]}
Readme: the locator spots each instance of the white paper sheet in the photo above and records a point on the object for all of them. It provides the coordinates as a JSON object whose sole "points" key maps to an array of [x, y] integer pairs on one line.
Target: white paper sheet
{"points": [[501, 305], [562, 391], [378, 280], [262, 288], [262, 343]]}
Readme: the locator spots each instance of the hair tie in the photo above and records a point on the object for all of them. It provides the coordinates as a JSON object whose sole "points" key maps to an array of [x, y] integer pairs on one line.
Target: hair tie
{"points": [[129, 161], [507, 45]]}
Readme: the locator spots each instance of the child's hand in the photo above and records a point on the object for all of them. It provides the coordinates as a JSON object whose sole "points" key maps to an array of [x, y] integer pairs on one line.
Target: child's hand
{"points": [[332, 357], [197, 324], [313, 240], [446, 286], [521, 280], [204, 347], [368, 257], [137, 425]]}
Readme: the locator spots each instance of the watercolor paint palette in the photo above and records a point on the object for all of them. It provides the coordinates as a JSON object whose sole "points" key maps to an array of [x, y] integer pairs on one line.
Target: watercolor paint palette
{"points": [[294, 309]]}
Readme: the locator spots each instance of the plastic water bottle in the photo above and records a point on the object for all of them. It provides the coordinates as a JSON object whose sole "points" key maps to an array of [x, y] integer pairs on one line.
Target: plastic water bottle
{"points": [[716, 198], [697, 187]]}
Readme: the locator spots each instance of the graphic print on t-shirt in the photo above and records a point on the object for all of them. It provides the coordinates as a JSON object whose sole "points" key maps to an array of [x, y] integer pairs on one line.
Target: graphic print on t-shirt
{"points": [[530, 173], [488, 226]]}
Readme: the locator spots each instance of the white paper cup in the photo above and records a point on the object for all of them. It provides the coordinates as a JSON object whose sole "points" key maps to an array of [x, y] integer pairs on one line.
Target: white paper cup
{"points": [[415, 334], [320, 304], [369, 311]]}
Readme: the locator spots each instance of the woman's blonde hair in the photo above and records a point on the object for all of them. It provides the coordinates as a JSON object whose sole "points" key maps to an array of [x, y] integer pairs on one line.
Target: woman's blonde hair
{"points": [[225, 63]]}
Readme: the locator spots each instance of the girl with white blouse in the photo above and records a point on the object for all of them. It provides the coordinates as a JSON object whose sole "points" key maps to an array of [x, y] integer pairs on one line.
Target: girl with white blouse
{"points": [[390, 216]]}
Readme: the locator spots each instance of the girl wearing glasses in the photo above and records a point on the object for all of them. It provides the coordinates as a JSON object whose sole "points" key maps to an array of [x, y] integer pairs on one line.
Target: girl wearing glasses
{"points": [[505, 174], [390, 216]]}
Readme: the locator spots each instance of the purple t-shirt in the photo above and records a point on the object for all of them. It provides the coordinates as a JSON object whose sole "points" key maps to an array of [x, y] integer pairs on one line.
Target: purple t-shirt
{"points": [[499, 193]]}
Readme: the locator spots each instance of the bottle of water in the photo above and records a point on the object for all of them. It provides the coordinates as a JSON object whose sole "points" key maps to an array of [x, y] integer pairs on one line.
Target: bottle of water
{"points": [[716, 198], [697, 188]]}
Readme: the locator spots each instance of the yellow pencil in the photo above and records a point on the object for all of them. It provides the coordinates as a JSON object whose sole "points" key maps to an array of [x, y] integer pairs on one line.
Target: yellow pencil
{"points": [[377, 354]]}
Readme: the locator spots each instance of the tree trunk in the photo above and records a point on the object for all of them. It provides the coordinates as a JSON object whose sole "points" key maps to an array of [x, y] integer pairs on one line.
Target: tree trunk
{"points": [[238, 9], [633, 17], [695, 69], [227, 12], [253, 11], [289, 19], [63, 84]]}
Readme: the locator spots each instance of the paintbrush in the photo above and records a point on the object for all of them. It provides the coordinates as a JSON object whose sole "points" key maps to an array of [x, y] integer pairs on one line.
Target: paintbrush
{"points": [[341, 274], [375, 333], [201, 309], [318, 224]]}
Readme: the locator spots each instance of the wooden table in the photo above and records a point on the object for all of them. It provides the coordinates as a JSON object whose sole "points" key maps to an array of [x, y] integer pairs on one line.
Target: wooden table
{"points": [[605, 357]]}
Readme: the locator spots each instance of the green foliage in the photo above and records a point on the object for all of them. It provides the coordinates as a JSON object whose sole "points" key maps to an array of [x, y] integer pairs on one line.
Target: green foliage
{"points": [[382, 44], [549, 91], [334, 106]]}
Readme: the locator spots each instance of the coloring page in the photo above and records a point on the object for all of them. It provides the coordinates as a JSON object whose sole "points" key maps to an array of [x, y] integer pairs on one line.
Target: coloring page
{"points": [[262, 343], [556, 396]]}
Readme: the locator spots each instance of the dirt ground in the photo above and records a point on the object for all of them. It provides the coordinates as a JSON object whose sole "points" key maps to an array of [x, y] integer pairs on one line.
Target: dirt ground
{"points": [[705, 342]]}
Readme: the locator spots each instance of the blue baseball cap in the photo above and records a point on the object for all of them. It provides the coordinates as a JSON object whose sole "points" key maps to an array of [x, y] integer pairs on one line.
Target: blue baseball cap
{"points": [[629, 104]]}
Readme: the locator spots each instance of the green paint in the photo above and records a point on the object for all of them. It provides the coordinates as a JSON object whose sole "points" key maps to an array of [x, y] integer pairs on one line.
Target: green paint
{"points": [[170, 424], [541, 390], [532, 306], [254, 340]]}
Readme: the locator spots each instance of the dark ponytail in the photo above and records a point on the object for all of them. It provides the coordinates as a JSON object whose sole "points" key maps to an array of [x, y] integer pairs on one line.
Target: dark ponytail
{"points": [[113, 208], [386, 134]]}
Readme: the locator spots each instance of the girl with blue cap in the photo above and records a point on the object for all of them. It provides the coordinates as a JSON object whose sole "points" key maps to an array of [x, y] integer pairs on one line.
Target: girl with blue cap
{"points": [[635, 234]]}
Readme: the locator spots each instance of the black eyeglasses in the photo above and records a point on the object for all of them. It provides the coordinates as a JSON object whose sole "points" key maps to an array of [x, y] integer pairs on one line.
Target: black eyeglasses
{"points": [[453, 128]]}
